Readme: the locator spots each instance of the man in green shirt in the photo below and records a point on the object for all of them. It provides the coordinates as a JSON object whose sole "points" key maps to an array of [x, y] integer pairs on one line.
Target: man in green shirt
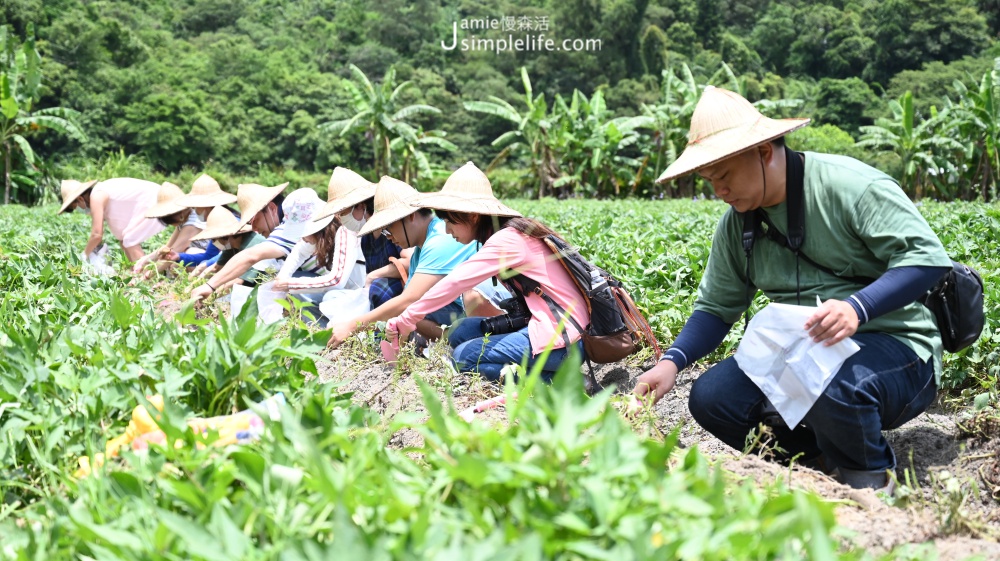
{"points": [[858, 225]]}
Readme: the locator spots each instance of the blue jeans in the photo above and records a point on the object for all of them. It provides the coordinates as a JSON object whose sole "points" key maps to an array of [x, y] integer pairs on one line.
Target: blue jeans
{"points": [[476, 352], [880, 387], [447, 315]]}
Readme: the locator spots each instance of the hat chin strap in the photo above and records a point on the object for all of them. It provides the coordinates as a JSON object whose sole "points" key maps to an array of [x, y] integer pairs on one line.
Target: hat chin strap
{"points": [[763, 177]]}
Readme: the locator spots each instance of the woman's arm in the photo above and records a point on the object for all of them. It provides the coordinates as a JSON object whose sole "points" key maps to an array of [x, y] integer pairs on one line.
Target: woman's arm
{"points": [[181, 240], [345, 256], [98, 201], [237, 266], [503, 251]]}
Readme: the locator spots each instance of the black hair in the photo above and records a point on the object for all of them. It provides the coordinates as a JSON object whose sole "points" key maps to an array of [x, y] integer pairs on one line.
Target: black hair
{"points": [[779, 142], [279, 200], [370, 206], [425, 212]]}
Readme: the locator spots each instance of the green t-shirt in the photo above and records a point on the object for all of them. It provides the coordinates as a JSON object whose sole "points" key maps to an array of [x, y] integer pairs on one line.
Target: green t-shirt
{"points": [[249, 240], [859, 223]]}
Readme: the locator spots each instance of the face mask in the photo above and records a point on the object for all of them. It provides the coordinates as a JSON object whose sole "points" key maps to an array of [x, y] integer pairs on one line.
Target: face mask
{"points": [[222, 246], [353, 224], [82, 210]]}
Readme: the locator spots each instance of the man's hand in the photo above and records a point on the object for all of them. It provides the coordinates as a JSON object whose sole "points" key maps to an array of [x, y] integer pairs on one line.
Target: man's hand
{"points": [[341, 331], [832, 322], [201, 292], [280, 285], [656, 382]]}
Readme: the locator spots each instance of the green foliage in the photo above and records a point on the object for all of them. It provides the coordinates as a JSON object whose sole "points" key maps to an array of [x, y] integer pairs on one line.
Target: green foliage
{"points": [[924, 147], [245, 85], [846, 103]]}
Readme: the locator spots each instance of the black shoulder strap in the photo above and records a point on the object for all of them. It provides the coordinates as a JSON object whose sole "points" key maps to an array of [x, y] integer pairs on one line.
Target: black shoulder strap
{"points": [[794, 193]]}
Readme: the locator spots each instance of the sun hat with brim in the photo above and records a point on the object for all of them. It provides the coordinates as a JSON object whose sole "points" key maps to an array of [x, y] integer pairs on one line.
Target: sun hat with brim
{"points": [[71, 190], [220, 224], [299, 208], [392, 198], [317, 225], [723, 125], [346, 189], [206, 193], [252, 198], [466, 190], [166, 201]]}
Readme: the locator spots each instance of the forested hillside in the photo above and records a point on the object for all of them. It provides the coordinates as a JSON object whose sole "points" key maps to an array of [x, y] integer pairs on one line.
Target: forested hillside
{"points": [[251, 85]]}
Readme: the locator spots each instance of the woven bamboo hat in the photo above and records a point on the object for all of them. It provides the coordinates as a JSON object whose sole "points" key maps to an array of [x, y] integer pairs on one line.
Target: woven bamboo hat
{"points": [[466, 190], [252, 198], [346, 189], [725, 124], [71, 190], [391, 204], [166, 201], [205, 192], [219, 224]]}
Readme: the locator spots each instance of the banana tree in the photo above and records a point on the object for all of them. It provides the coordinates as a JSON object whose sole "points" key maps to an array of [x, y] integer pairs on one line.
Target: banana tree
{"points": [[411, 144], [670, 118], [530, 132], [920, 146], [594, 147], [20, 85], [378, 114], [979, 112]]}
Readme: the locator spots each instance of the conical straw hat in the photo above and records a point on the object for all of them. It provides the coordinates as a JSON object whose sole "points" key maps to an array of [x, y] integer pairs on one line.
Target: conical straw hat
{"points": [[252, 198], [466, 190], [346, 189], [725, 124], [391, 204], [166, 201], [219, 224], [205, 192], [71, 190]]}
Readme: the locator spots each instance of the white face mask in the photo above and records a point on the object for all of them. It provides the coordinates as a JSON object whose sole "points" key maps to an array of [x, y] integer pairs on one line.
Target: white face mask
{"points": [[353, 224], [222, 246], [82, 210]]}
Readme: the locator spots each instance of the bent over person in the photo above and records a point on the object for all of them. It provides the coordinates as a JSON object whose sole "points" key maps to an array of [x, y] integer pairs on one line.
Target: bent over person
{"points": [[858, 224]]}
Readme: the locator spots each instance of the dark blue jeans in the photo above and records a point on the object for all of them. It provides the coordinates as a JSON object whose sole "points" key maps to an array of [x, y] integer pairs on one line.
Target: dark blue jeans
{"points": [[878, 388], [474, 351]]}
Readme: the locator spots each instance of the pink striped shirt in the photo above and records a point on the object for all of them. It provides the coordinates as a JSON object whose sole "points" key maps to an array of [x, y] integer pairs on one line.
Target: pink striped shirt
{"points": [[345, 269], [510, 250]]}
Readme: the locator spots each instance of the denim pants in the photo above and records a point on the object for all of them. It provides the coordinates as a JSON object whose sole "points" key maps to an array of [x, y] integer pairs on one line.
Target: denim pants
{"points": [[878, 388], [474, 351]]}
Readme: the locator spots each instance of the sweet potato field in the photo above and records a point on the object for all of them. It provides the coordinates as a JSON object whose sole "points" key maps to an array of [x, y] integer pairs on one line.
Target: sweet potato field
{"points": [[562, 476]]}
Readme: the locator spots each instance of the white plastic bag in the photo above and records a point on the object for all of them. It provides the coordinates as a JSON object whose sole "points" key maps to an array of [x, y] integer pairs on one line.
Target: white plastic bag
{"points": [[346, 303], [778, 355], [98, 261], [268, 309], [238, 298]]}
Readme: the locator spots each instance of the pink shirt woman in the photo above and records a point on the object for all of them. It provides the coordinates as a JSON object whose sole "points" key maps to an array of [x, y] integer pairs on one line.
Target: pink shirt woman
{"points": [[510, 251], [122, 203]]}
